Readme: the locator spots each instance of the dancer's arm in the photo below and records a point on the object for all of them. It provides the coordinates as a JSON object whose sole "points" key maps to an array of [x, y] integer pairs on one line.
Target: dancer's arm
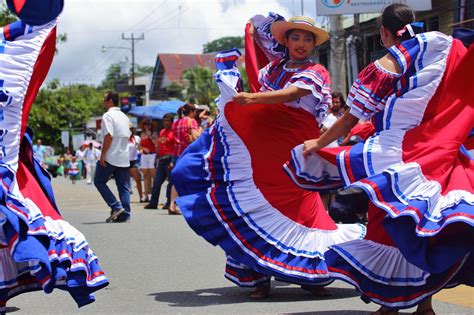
{"points": [[288, 94], [341, 127]]}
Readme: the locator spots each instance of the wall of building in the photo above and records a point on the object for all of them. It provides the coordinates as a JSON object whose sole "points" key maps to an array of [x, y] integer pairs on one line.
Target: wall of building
{"points": [[441, 17]]}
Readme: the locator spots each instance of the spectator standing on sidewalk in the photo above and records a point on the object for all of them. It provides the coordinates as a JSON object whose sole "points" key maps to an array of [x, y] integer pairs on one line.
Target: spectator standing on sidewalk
{"points": [[204, 119], [166, 143], [80, 162], [39, 151], [91, 156], [114, 159], [148, 158], [133, 148], [186, 130], [74, 170], [67, 161]]}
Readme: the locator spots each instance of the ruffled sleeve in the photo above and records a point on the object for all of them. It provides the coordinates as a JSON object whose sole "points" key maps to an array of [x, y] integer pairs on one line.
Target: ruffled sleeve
{"points": [[263, 36], [317, 80], [368, 95]]}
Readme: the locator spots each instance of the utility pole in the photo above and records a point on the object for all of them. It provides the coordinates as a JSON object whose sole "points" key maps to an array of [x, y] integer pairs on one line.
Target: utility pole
{"points": [[133, 39], [302, 8], [337, 68]]}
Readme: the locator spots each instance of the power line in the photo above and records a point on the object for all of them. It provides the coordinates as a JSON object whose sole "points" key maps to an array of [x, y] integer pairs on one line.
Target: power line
{"points": [[132, 40], [101, 63], [148, 15], [172, 14]]}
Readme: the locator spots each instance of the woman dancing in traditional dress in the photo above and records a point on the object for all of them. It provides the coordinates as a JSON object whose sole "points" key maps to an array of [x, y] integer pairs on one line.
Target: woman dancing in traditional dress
{"points": [[232, 188], [414, 168], [38, 249]]}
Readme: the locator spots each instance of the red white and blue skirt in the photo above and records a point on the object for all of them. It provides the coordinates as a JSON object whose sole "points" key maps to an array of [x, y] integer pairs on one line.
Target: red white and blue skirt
{"points": [[418, 175], [235, 194], [39, 250]]}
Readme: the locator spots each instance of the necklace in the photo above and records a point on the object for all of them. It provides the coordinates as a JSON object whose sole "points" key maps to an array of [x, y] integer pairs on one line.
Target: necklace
{"points": [[299, 62]]}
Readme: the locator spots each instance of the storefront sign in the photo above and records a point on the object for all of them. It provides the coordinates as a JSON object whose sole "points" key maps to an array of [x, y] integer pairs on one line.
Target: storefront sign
{"points": [[334, 7]]}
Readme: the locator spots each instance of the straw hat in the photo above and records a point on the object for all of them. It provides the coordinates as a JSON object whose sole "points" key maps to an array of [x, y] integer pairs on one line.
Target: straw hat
{"points": [[300, 22]]}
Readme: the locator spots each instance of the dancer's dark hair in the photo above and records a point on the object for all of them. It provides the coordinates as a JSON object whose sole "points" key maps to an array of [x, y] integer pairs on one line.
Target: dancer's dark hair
{"points": [[395, 17]]}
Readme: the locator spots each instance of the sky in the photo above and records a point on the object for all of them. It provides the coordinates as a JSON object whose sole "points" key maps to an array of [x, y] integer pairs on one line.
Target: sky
{"points": [[169, 26]]}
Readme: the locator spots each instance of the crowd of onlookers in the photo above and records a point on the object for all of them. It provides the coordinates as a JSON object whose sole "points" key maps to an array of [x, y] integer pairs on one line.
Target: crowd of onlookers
{"points": [[160, 149], [152, 154], [154, 151]]}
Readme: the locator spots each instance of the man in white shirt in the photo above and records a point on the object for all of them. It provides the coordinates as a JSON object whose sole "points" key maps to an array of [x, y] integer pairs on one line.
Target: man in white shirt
{"points": [[114, 159], [335, 111], [91, 156]]}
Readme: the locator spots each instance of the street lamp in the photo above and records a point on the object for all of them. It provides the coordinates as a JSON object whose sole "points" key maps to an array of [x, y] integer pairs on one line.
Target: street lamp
{"points": [[104, 48]]}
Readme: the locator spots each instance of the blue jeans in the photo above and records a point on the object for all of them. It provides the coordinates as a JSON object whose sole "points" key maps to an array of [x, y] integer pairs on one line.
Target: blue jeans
{"points": [[161, 173], [121, 176]]}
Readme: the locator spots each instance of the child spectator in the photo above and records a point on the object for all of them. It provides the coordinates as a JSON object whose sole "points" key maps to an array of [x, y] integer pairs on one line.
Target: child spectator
{"points": [[73, 169]]}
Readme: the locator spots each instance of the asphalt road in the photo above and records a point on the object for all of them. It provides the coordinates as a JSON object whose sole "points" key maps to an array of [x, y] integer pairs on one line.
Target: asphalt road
{"points": [[157, 265]]}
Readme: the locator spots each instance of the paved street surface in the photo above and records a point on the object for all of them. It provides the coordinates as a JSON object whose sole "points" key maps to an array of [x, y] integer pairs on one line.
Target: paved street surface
{"points": [[156, 265]]}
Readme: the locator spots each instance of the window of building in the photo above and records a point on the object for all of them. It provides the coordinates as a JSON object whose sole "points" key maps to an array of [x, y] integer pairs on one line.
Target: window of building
{"points": [[431, 24]]}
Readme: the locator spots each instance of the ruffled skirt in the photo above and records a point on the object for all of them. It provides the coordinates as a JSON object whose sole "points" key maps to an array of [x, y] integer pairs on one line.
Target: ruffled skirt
{"points": [[234, 193], [39, 250], [421, 186]]}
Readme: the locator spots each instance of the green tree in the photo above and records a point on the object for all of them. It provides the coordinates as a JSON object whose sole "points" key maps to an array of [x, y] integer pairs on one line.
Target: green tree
{"points": [[58, 105], [6, 16], [175, 90], [199, 85], [60, 39], [112, 76], [142, 70], [223, 43], [245, 79]]}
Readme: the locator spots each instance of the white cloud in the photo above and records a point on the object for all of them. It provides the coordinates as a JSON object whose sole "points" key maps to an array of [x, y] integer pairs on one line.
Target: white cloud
{"points": [[169, 26]]}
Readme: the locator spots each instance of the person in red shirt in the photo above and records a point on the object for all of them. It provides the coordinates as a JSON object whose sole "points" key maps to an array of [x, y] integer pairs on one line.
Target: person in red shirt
{"points": [[166, 145], [147, 160], [186, 130]]}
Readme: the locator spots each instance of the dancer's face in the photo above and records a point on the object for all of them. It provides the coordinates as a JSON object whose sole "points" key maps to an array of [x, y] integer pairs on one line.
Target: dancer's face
{"points": [[300, 44]]}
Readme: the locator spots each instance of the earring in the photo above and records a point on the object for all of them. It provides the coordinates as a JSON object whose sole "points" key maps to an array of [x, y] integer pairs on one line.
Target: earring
{"points": [[381, 43]]}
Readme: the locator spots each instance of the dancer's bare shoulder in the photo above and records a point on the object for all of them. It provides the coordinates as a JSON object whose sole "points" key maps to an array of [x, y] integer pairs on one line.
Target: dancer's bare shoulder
{"points": [[389, 63]]}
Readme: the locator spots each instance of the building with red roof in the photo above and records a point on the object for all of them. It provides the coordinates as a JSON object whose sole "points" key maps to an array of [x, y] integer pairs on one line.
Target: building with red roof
{"points": [[170, 67]]}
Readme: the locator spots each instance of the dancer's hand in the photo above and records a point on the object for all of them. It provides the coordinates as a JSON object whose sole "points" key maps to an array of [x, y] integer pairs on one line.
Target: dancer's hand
{"points": [[310, 146], [243, 98]]}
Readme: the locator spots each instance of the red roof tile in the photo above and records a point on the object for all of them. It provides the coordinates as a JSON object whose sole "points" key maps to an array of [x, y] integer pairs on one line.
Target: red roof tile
{"points": [[175, 64]]}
